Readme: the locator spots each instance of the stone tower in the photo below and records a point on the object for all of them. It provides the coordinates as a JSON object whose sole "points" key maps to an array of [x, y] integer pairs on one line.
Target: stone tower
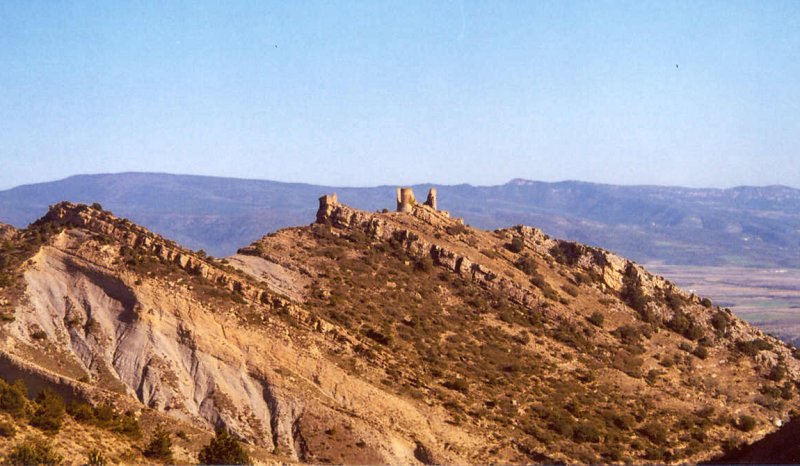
{"points": [[431, 201], [405, 199], [326, 204]]}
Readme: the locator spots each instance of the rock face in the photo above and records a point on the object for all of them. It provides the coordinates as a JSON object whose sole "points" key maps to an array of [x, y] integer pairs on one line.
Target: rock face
{"points": [[7, 231], [399, 337]]}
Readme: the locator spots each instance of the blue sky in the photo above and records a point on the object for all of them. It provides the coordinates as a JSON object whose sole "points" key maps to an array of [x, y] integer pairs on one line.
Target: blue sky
{"points": [[374, 92]]}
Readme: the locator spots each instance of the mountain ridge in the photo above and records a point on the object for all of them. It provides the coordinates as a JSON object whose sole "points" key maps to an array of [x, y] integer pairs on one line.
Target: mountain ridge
{"points": [[554, 344], [755, 226]]}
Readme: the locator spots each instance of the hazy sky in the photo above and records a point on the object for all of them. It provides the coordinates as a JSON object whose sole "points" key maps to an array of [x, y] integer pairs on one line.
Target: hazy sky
{"points": [[373, 92]]}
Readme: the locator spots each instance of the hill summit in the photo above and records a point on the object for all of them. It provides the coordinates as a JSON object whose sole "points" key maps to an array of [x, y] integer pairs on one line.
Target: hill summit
{"points": [[401, 337]]}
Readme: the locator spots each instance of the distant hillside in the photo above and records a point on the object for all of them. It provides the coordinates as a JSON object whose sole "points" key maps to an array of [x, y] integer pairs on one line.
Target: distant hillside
{"points": [[757, 226]]}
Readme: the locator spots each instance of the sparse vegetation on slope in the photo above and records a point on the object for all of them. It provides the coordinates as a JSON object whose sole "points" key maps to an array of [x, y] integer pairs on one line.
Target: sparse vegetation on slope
{"points": [[485, 334], [336, 340]]}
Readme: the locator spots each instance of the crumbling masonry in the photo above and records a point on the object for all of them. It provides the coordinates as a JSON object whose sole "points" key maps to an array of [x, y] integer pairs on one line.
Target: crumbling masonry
{"points": [[405, 202]]}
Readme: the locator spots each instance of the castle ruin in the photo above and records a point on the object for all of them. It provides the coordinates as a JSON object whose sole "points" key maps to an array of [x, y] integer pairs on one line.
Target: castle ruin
{"points": [[431, 201], [326, 204], [405, 203], [406, 200]]}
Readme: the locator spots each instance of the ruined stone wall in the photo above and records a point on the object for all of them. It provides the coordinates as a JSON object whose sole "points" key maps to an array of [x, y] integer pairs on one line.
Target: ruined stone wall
{"points": [[326, 204], [405, 200], [431, 201]]}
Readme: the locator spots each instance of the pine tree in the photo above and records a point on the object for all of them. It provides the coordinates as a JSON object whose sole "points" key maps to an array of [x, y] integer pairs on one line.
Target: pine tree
{"points": [[224, 449]]}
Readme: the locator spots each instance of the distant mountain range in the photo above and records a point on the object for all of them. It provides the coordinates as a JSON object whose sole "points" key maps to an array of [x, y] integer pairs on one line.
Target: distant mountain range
{"points": [[754, 226]]}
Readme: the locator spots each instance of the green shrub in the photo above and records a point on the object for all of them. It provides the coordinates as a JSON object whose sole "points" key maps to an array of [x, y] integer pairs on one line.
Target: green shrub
{"points": [[632, 293], [424, 265], [652, 376], [674, 299], [377, 336], [746, 423], [563, 425], [223, 449], [517, 244], [456, 229], [701, 352], [33, 450], [720, 321], [7, 429], [104, 415], [597, 318], [655, 431], [777, 373], [786, 390], [683, 324], [96, 458], [627, 363], [623, 421], [570, 290], [13, 398], [459, 385], [160, 446], [629, 334], [539, 282], [50, 411], [586, 432], [81, 412], [128, 425], [527, 265], [567, 253], [752, 347]]}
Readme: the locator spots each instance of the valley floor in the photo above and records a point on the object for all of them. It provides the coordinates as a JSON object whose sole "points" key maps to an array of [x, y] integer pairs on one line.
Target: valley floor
{"points": [[767, 298]]}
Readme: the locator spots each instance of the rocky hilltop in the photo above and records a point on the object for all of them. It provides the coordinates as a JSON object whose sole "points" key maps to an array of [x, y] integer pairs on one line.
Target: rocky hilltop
{"points": [[386, 337]]}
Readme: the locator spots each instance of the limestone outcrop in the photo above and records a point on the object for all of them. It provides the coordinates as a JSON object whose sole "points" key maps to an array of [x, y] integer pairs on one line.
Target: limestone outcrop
{"points": [[7, 231]]}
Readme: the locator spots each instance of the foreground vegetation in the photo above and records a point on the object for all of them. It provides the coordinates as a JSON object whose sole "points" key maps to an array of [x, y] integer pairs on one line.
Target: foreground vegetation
{"points": [[47, 413]]}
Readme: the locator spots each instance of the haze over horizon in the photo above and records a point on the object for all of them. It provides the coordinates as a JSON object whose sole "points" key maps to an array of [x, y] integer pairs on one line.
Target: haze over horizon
{"points": [[374, 185], [348, 94]]}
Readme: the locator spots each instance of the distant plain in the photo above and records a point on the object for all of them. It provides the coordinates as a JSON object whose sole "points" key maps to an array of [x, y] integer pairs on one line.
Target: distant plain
{"points": [[768, 298]]}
